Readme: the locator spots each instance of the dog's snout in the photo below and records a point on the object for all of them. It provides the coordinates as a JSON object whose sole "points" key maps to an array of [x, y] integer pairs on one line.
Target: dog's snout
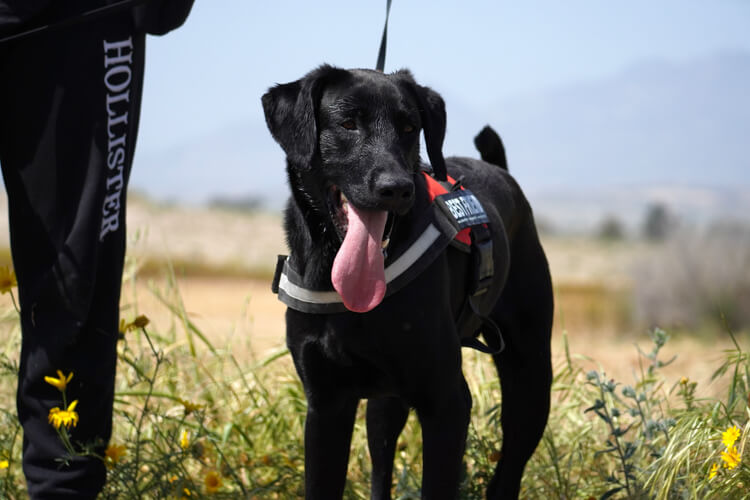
{"points": [[395, 193]]}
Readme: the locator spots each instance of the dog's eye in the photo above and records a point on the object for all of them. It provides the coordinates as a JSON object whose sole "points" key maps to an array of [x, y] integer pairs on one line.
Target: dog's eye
{"points": [[408, 128], [349, 125]]}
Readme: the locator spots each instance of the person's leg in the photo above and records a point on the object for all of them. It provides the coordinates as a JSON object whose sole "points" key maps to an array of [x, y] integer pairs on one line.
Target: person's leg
{"points": [[69, 108]]}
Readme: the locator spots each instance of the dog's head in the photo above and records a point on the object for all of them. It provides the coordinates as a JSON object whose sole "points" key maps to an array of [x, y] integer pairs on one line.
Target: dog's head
{"points": [[352, 143]]}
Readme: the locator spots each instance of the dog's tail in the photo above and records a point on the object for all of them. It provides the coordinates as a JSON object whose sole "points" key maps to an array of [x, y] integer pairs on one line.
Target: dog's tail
{"points": [[490, 147]]}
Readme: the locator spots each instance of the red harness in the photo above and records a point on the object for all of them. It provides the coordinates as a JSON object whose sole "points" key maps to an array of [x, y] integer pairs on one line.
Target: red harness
{"points": [[435, 189]]}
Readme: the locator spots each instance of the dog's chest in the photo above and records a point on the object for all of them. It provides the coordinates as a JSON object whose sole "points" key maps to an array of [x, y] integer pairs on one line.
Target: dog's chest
{"points": [[383, 354]]}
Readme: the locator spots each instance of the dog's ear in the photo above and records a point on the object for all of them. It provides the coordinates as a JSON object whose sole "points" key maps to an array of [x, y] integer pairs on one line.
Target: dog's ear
{"points": [[291, 111], [432, 114]]}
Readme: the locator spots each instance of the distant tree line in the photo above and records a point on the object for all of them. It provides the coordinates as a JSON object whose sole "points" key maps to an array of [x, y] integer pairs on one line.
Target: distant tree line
{"points": [[658, 223]]}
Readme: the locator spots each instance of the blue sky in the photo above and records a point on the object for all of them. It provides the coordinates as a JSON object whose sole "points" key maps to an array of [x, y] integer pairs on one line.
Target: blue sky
{"points": [[208, 76]]}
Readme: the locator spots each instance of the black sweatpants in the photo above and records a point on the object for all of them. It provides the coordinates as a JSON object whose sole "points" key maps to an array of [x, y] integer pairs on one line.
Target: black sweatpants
{"points": [[69, 109]]}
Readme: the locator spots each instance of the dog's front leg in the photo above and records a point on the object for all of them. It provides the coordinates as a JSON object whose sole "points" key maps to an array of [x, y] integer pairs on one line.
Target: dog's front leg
{"points": [[328, 433], [331, 407], [385, 419], [445, 423]]}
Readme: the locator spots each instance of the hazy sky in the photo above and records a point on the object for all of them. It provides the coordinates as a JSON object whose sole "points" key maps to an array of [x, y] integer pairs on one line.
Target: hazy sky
{"points": [[209, 75], [214, 69]]}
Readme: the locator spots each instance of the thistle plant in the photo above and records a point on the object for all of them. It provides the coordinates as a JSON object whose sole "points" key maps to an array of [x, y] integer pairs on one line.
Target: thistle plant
{"points": [[637, 421]]}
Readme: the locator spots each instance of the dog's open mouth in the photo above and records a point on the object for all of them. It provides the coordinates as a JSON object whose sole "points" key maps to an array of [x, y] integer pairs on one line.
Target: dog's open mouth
{"points": [[338, 207], [358, 273]]}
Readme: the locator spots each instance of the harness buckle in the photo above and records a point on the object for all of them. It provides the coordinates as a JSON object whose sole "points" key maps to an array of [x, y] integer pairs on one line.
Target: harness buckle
{"points": [[280, 261]]}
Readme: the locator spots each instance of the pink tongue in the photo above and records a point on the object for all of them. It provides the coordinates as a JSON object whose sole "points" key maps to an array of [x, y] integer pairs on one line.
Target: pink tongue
{"points": [[358, 274]]}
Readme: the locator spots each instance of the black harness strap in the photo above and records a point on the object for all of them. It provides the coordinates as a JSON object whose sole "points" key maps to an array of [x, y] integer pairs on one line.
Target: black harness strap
{"points": [[490, 331], [484, 266], [449, 214], [432, 235], [483, 271]]}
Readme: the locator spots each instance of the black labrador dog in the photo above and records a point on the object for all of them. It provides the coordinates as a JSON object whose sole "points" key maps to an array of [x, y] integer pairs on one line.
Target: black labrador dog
{"points": [[351, 139]]}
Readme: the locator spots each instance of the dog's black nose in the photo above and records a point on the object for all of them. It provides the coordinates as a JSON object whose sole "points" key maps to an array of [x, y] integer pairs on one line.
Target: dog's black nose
{"points": [[395, 193]]}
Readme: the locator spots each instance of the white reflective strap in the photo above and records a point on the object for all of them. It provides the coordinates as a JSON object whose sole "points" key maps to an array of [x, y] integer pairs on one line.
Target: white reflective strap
{"points": [[408, 258], [305, 295], [396, 269]]}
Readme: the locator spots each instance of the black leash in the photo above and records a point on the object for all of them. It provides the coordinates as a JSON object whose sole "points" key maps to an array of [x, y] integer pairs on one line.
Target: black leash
{"points": [[83, 17], [380, 66]]}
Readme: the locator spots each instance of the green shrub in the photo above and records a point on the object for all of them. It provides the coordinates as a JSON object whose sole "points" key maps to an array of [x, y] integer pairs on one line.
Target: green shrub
{"points": [[696, 277]]}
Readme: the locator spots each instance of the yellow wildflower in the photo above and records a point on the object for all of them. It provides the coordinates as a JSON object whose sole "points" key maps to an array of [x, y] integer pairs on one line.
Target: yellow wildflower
{"points": [[139, 322], [66, 418], [184, 440], [684, 380], [61, 382], [7, 279], [113, 454], [4, 464], [729, 436], [714, 471], [731, 458], [212, 481]]}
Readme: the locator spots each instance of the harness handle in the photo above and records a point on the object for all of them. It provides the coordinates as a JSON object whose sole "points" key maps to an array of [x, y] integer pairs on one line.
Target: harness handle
{"points": [[490, 331], [380, 65]]}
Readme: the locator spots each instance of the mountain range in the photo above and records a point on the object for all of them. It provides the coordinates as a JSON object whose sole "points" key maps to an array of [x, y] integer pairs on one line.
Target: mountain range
{"points": [[666, 132]]}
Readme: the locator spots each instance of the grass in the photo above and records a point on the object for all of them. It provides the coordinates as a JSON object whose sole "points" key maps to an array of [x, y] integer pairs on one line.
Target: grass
{"points": [[154, 267], [193, 421]]}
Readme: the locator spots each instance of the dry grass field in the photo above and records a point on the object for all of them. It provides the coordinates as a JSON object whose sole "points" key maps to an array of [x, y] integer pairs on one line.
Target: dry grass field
{"points": [[206, 392], [222, 261]]}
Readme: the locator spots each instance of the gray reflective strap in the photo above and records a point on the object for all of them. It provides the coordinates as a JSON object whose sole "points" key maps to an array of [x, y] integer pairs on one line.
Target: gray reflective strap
{"points": [[306, 295], [408, 258], [300, 295], [441, 226]]}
